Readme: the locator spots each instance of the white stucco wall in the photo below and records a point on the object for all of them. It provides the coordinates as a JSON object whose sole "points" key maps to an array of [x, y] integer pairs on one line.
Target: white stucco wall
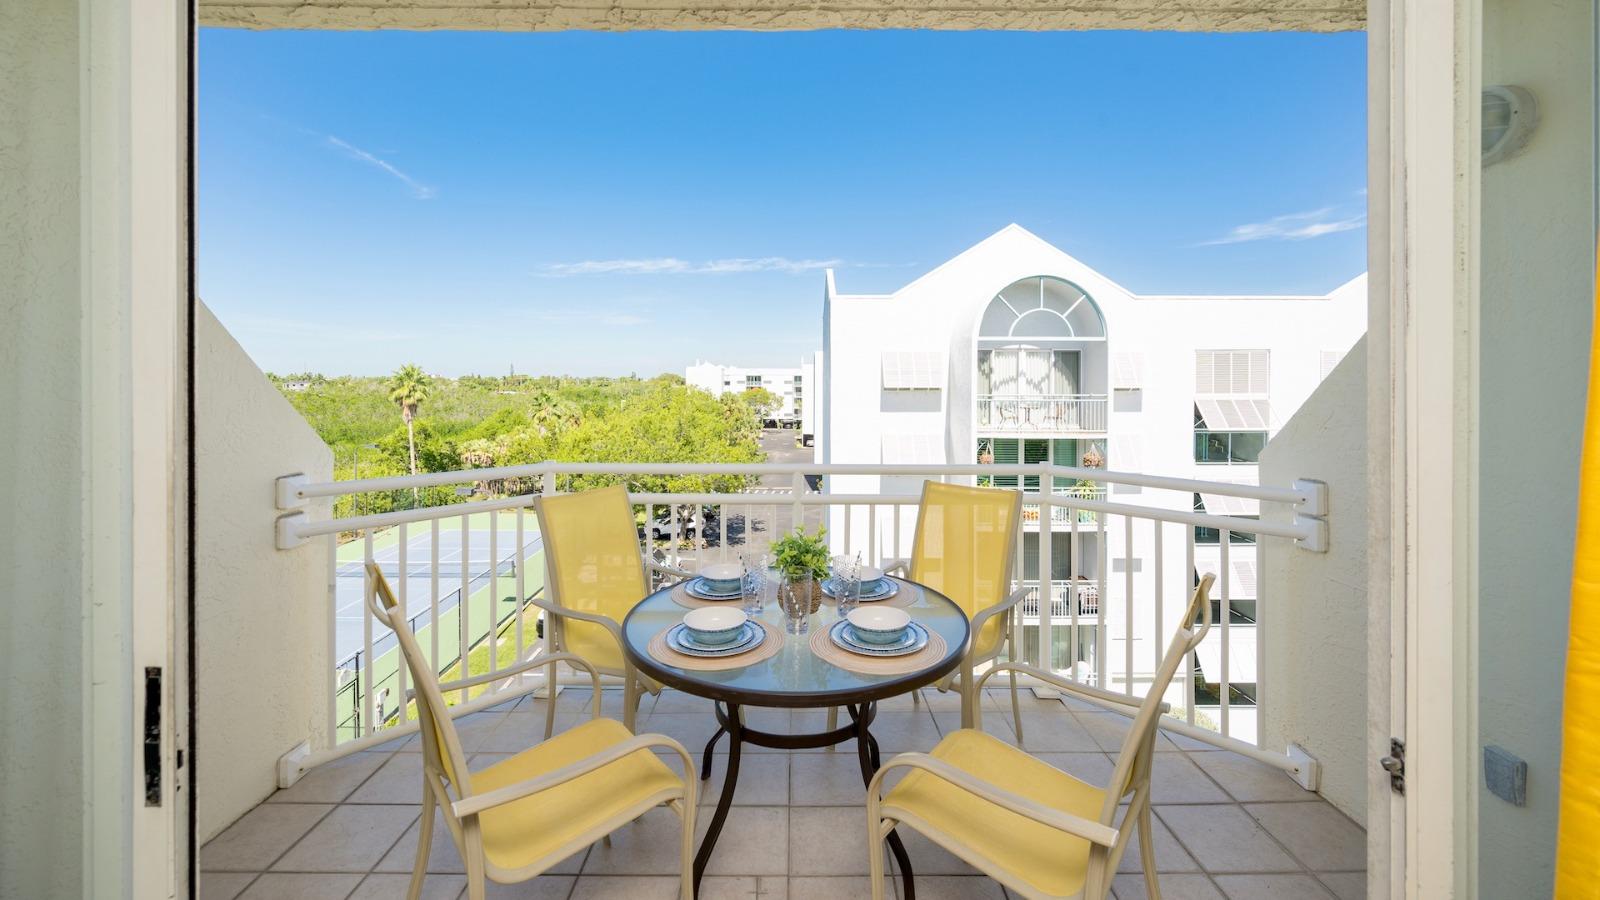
{"points": [[1314, 616], [261, 616], [42, 533], [1536, 307]]}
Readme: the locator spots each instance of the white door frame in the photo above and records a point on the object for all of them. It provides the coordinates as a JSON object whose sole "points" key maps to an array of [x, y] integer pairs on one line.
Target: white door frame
{"points": [[1422, 392], [135, 164]]}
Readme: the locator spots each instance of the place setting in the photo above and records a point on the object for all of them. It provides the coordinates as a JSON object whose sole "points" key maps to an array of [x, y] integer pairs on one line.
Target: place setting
{"points": [[712, 584], [716, 637], [873, 639]]}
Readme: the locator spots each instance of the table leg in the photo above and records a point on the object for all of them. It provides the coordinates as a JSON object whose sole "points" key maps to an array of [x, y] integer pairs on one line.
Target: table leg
{"points": [[866, 752], [730, 779], [705, 760]]}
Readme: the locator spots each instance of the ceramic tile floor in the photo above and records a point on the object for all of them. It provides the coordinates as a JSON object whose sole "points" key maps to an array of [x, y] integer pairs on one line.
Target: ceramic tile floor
{"points": [[1226, 826]]}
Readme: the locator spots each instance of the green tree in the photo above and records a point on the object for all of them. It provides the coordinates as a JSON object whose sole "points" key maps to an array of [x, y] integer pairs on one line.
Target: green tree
{"points": [[761, 401], [409, 387]]}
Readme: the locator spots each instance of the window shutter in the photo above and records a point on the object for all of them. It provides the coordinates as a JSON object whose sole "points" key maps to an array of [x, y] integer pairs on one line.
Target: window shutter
{"points": [[913, 370], [1127, 370], [1005, 453], [1326, 362], [913, 449]]}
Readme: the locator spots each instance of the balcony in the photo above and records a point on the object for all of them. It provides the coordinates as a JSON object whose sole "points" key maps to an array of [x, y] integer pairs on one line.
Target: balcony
{"points": [[1232, 813], [1224, 822], [1042, 414]]}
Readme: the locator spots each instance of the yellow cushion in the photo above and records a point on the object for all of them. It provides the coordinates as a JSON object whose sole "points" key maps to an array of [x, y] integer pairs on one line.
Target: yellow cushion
{"points": [[1052, 861], [520, 832]]}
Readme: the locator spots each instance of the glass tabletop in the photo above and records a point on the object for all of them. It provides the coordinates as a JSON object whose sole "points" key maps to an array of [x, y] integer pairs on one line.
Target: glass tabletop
{"points": [[795, 677]]}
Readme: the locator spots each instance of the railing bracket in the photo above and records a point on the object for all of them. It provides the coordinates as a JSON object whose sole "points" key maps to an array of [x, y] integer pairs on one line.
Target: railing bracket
{"points": [[292, 765], [288, 491], [288, 530], [1316, 533], [1316, 497], [1307, 772]]}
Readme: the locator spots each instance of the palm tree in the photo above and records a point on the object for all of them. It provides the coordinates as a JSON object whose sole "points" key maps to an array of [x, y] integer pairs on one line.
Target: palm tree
{"points": [[408, 388]]}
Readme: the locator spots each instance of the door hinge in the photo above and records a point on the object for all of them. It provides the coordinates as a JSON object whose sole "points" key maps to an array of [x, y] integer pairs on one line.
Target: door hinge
{"points": [[152, 736], [1395, 765]]}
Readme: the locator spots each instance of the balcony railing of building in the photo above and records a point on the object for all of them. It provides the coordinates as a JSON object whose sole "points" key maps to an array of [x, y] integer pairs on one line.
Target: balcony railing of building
{"points": [[1061, 591], [1043, 413], [466, 572]]}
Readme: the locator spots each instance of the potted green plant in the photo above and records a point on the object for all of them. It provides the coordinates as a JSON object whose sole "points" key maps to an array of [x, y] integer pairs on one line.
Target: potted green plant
{"points": [[799, 556]]}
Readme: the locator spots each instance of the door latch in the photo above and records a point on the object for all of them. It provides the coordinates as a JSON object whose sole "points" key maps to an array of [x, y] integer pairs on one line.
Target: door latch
{"points": [[152, 736], [1395, 765]]}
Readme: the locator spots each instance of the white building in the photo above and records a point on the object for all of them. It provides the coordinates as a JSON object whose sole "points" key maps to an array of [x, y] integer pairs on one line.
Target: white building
{"points": [[1015, 352], [789, 385]]}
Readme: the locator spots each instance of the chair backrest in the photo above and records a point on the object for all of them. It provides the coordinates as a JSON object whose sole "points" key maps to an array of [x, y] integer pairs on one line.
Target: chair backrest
{"points": [[441, 748], [592, 554], [1133, 761], [965, 546]]}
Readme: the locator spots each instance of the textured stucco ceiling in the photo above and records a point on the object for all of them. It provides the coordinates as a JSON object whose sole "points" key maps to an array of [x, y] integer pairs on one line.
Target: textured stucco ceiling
{"points": [[554, 15]]}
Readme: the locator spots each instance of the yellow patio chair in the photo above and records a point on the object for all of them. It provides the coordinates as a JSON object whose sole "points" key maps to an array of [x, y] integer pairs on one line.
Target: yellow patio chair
{"points": [[1035, 829], [596, 575], [515, 819], [965, 547]]}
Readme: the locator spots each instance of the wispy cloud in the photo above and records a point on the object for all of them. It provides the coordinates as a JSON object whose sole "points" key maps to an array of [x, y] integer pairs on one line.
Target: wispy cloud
{"points": [[1301, 226], [418, 189], [667, 265], [308, 330], [620, 320]]}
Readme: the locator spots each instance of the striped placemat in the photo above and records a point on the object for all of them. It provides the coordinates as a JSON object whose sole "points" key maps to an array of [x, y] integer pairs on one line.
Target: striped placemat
{"points": [[824, 648], [660, 652]]}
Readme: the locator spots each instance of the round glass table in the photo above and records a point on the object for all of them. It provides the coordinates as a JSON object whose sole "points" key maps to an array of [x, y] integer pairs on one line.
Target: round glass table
{"points": [[794, 678]]}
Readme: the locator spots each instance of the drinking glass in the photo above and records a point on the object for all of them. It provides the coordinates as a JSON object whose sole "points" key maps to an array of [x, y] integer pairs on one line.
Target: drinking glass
{"points": [[847, 582], [754, 582], [794, 598]]}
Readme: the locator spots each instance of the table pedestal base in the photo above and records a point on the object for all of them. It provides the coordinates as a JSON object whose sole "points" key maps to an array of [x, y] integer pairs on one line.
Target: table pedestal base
{"points": [[861, 717]]}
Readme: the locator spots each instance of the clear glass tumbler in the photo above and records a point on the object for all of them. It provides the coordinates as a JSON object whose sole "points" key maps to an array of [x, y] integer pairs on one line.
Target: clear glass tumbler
{"points": [[794, 598], [847, 582], [754, 582]]}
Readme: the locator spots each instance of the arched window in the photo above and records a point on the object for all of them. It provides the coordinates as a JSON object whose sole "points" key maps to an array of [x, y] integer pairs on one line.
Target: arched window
{"points": [[1042, 308]]}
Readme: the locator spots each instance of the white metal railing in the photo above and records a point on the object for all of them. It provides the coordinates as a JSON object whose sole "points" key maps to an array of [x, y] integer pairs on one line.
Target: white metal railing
{"points": [[1088, 595], [1043, 413], [466, 571]]}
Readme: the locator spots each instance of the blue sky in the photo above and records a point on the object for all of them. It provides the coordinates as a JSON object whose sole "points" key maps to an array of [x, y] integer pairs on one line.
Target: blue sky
{"points": [[608, 203]]}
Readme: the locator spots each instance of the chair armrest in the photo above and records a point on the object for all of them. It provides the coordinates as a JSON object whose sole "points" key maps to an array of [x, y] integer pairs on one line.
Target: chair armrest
{"points": [[1067, 684], [554, 610], [674, 571], [537, 662], [1089, 830], [477, 803], [900, 564], [983, 616]]}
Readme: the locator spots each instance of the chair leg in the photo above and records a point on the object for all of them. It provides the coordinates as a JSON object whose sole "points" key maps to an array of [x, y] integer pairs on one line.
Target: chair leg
{"points": [[549, 700], [967, 713], [686, 851], [630, 701], [833, 719], [419, 869], [1016, 707], [875, 853], [1147, 853], [475, 876]]}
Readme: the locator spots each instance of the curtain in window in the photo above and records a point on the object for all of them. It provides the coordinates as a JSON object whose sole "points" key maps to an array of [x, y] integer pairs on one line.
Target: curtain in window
{"points": [[1004, 374], [1065, 376], [985, 372], [1035, 371]]}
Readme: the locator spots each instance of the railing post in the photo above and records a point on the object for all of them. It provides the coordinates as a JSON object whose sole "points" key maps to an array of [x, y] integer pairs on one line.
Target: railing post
{"points": [[797, 490]]}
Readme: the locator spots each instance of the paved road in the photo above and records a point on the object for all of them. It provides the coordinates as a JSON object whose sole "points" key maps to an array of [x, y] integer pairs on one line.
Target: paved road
{"points": [[762, 524]]}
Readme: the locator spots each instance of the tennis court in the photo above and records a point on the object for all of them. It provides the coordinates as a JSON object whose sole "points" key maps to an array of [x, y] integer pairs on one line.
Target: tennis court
{"points": [[459, 551]]}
